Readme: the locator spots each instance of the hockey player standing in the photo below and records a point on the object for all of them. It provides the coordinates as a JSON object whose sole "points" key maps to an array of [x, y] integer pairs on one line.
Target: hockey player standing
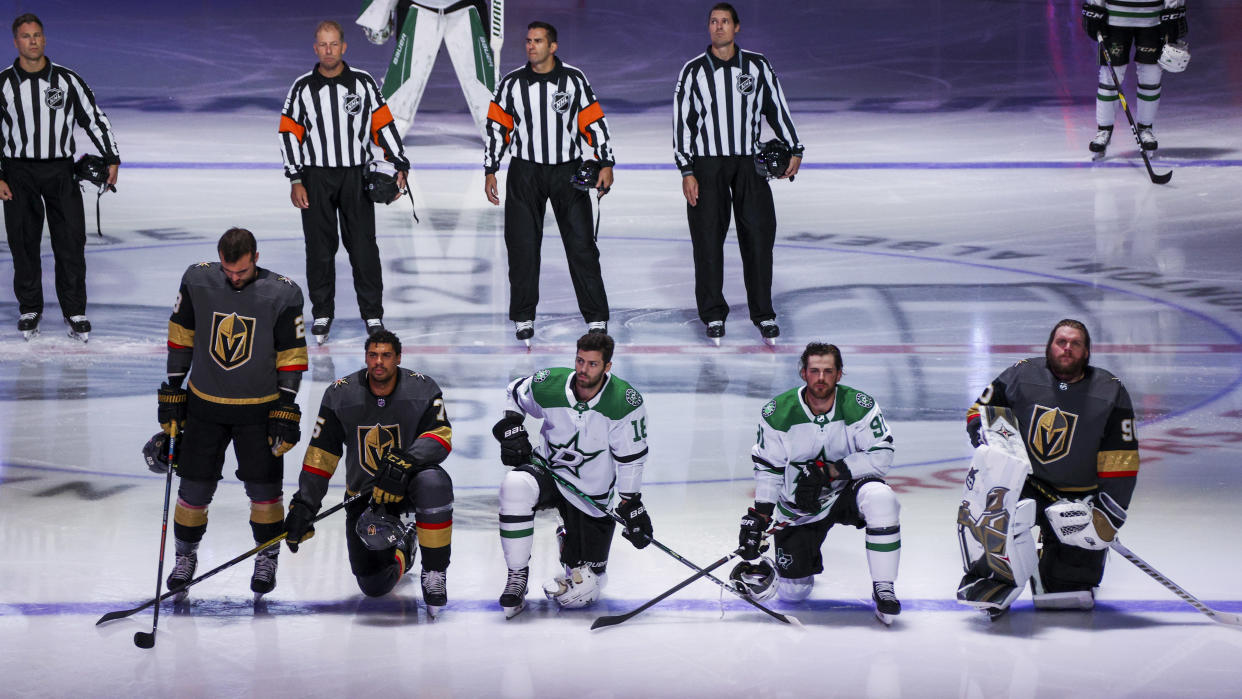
{"points": [[545, 114], [420, 28], [720, 98], [595, 438], [391, 426], [40, 104], [820, 457], [1077, 424], [1152, 28], [330, 118], [237, 330]]}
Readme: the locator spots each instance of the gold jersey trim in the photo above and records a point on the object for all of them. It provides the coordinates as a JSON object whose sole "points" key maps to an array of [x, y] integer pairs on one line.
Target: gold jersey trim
{"points": [[267, 513], [1117, 460], [232, 401], [190, 517], [180, 335], [322, 460], [292, 357]]}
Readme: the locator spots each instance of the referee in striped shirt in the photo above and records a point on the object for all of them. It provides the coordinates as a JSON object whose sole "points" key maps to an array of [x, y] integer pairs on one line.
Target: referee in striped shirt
{"points": [[331, 116], [545, 114], [720, 98], [40, 103]]}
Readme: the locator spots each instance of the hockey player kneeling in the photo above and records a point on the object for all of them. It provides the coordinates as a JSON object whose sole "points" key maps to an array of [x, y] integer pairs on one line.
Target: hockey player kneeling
{"points": [[594, 446], [820, 456]]}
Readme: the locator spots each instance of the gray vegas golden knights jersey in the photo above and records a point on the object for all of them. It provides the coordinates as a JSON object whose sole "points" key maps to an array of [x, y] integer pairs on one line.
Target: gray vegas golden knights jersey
{"points": [[791, 437], [239, 340], [1079, 436], [594, 445], [355, 423]]}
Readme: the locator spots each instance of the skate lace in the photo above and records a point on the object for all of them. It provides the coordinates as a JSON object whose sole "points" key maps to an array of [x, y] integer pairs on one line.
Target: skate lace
{"points": [[183, 568], [321, 323], [265, 565], [434, 582], [524, 325], [597, 325], [884, 591], [517, 582]]}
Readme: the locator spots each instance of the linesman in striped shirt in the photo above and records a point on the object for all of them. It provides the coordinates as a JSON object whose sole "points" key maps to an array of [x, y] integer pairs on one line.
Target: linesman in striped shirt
{"points": [[721, 96], [546, 115], [331, 116], [40, 104]]}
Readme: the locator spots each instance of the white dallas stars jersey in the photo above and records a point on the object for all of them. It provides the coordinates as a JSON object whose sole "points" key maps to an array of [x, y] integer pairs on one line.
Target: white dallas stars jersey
{"points": [[596, 445], [791, 437]]}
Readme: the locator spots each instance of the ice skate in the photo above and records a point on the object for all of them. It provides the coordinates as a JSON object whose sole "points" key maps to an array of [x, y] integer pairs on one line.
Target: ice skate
{"points": [[79, 328], [513, 599], [264, 579], [887, 605], [435, 591], [182, 573], [770, 331], [1100, 143], [374, 325], [1147, 137], [715, 331], [524, 330], [320, 329], [597, 327], [28, 324]]}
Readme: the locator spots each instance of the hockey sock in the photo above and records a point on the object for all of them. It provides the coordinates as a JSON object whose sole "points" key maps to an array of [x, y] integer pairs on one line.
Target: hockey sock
{"points": [[1106, 96], [189, 522], [267, 519], [1148, 92]]}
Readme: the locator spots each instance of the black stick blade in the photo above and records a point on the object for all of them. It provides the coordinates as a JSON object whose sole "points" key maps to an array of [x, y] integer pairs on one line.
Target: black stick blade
{"points": [[142, 639], [111, 616], [606, 621], [1162, 179]]}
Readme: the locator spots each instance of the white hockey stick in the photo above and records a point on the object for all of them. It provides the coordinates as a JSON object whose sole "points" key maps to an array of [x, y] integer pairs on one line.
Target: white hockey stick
{"points": [[498, 35], [1215, 615]]}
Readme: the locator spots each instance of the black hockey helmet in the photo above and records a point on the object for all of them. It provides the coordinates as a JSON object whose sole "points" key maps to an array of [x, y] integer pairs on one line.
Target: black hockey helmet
{"points": [[756, 579], [381, 187], [91, 168], [586, 176], [378, 528], [772, 160]]}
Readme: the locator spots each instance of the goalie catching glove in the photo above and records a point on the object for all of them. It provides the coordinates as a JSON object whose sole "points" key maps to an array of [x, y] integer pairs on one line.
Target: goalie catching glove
{"points": [[284, 427], [393, 476], [1091, 523], [637, 522], [515, 448]]}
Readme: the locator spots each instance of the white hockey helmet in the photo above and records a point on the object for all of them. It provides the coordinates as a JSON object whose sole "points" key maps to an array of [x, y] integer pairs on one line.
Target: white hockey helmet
{"points": [[1175, 57], [756, 579]]}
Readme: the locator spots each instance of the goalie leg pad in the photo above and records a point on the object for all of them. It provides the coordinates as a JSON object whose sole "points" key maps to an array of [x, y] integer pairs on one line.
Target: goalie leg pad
{"points": [[994, 527], [578, 588]]}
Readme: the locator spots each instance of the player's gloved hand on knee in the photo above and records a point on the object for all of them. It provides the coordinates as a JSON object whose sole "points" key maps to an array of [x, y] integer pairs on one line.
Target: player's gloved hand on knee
{"points": [[1094, 20], [637, 522], [284, 427], [393, 475], [515, 447], [814, 478], [299, 524], [172, 408], [750, 534], [155, 452]]}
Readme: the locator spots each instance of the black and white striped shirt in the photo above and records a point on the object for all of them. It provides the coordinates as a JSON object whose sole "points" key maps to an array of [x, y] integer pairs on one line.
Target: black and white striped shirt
{"points": [[718, 104], [327, 122], [541, 117], [39, 110]]}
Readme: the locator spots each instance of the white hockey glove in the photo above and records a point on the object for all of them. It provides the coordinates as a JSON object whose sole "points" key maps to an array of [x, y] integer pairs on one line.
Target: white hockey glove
{"points": [[1081, 523]]}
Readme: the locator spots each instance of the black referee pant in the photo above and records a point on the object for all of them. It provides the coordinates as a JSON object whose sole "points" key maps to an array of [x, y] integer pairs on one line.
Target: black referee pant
{"points": [[41, 186], [528, 188], [726, 181], [330, 190]]}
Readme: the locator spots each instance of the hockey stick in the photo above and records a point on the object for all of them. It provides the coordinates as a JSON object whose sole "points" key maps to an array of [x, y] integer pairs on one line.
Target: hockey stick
{"points": [[143, 639], [1116, 545], [258, 547], [784, 618], [1108, 60], [497, 27], [605, 621]]}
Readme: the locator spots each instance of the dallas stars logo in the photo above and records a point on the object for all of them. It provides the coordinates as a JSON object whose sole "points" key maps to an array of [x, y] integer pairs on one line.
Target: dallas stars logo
{"points": [[569, 456], [820, 460]]}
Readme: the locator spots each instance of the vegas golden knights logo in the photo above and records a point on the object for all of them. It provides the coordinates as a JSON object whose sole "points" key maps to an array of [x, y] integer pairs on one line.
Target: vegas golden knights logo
{"points": [[232, 339], [1051, 433], [990, 531], [373, 441]]}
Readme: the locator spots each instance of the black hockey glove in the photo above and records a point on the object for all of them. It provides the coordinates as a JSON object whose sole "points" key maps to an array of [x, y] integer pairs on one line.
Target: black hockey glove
{"points": [[754, 523], [637, 522], [1094, 20], [815, 477], [394, 474], [515, 447], [155, 451], [284, 427], [299, 525], [974, 429], [1173, 24], [172, 408]]}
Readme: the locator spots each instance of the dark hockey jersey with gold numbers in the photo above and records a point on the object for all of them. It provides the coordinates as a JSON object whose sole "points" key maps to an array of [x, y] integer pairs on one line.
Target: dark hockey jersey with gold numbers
{"points": [[1079, 436], [240, 340], [360, 426]]}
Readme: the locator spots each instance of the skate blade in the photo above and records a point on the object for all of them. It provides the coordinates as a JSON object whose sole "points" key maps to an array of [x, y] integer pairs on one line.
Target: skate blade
{"points": [[433, 612], [81, 337], [320, 339], [886, 619], [715, 341], [1097, 157], [511, 612], [769, 341], [29, 334]]}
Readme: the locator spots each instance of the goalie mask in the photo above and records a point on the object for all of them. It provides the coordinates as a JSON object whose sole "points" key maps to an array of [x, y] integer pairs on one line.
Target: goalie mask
{"points": [[586, 176], [754, 579], [381, 187], [379, 529], [772, 160], [1175, 57]]}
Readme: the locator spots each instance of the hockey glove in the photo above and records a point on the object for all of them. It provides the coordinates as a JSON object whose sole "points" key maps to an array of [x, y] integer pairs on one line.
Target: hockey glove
{"points": [[815, 477], [299, 525], [284, 427], [1173, 24], [172, 408], [393, 475], [155, 451], [754, 524], [974, 429], [1094, 20], [637, 522], [515, 447]]}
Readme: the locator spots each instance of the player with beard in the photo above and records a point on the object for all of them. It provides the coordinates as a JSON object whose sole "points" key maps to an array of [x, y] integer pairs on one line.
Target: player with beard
{"points": [[820, 457], [1077, 423], [594, 438]]}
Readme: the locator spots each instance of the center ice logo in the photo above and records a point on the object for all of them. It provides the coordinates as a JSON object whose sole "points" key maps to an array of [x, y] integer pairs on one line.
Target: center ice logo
{"points": [[232, 339]]}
